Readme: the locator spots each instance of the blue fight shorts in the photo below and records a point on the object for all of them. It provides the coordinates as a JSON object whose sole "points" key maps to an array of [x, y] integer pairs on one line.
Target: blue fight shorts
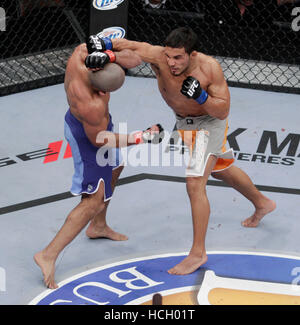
{"points": [[88, 173]]}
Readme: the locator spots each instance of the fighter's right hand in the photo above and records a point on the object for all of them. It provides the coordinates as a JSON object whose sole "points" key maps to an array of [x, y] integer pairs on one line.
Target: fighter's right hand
{"points": [[97, 60], [97, 43], [153, 134]]}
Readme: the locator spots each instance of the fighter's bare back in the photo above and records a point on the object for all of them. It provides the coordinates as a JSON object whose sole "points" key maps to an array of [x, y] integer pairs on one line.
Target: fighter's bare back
{"points": [[87, 105]]}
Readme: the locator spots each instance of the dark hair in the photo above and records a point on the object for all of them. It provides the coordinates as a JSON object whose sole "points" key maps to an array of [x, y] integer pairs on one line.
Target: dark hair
{"points": [[182, 37]]}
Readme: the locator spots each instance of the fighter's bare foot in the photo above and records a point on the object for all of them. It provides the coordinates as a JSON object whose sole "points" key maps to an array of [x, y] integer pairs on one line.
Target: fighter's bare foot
{"points": [[48, 269], [259, 213], [190, 264], [95, 232]]}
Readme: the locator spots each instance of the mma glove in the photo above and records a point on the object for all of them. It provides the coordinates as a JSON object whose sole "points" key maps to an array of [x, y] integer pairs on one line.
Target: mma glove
{"points": [[154, 134], [97, 43], [97, 60], [191, 89]]}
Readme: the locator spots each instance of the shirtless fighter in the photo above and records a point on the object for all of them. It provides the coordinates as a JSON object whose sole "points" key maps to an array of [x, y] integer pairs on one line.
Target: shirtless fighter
{"points": [[88, 126], [193, 85]]}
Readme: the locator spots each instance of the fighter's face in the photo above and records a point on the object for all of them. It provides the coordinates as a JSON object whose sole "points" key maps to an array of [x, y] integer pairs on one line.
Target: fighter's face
{"points": [[177, 59]]}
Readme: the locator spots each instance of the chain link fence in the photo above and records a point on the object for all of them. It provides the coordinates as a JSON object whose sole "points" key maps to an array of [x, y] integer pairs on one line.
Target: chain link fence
{"points": [[255, 41], [39, 37]]}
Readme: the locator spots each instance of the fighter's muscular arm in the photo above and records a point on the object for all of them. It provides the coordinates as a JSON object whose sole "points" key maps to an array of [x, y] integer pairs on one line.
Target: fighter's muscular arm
{"points": [[94, 120], [90, 107], [147, 52], [218, 101], [92, 117], [128, 59]]}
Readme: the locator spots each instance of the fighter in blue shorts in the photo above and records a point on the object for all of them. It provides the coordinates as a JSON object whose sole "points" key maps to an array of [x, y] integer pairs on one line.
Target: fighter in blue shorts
{"points": [[88, 173], [89, 127]]}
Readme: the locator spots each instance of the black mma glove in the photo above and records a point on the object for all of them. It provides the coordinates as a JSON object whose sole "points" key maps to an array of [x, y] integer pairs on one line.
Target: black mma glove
{"points": [[191, 89], [97, 60], [97, 43]]}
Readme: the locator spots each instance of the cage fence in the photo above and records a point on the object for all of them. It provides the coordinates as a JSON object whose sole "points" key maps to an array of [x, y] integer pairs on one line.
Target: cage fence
{"points": [[255, 41]]}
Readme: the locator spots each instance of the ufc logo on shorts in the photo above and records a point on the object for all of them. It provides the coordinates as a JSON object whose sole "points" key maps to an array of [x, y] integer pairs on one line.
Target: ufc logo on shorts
{"points": [[2, 279], [2, 20], [194, 86]]}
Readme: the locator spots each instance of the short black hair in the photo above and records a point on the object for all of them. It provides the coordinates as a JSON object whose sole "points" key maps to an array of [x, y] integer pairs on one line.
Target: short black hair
{"points": [[182, 37]]}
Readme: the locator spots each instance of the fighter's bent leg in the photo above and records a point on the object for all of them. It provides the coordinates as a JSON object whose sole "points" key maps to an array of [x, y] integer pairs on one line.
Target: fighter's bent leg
{"points": [[98, 227], [241, 182], [77, 219]]}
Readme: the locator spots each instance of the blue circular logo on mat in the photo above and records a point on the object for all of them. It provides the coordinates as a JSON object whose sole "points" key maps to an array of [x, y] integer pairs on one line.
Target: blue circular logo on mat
{"points": [[227, 278]]}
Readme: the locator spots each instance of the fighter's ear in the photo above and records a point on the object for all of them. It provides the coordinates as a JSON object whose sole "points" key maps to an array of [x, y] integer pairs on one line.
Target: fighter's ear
{"points": [[193, 54]]}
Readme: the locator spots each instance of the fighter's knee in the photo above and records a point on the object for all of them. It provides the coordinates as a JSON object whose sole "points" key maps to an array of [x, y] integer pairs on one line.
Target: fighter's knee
{"points": [[92, 205], [195, 185]]}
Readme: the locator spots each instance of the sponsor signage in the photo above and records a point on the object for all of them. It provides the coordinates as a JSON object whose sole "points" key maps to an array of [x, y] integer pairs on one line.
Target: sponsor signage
{"points": [[269, 147], [108, 16]]}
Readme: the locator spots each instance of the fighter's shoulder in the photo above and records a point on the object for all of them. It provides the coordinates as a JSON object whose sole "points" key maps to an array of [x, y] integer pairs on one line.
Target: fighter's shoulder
{"points": [[157, 49], [207, 60], [209, 64], [79, 54], [156, 52], [157, 56], [81, 48]]}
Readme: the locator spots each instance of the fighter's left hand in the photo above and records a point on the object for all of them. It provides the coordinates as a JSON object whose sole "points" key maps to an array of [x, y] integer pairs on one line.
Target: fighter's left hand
{"points": [[191, 89], [97, 60]]}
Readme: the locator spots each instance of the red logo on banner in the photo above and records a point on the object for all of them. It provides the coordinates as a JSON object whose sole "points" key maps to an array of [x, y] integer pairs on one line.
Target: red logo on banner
{"points": [[54, 149]]}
